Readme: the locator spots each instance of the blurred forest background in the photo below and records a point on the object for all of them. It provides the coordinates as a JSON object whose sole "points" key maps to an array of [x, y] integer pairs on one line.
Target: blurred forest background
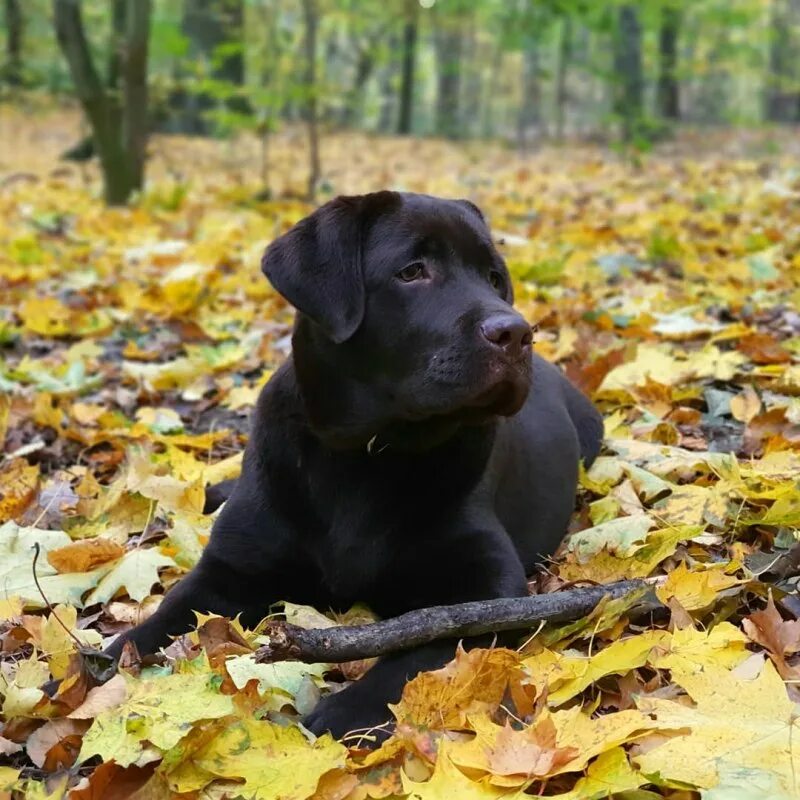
{"points": [[527, 72]]}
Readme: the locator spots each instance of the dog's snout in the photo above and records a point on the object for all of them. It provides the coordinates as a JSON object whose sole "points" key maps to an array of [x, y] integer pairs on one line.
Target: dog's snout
{"points": [[509, 332]]}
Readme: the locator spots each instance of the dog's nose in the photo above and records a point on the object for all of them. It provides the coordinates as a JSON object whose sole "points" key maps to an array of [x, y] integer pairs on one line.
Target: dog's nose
{"points": [[509, 332]]}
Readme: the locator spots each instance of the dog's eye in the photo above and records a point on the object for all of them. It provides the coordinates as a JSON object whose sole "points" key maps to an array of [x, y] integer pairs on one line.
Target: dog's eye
{"points": [[496, 279], [412, 272]]}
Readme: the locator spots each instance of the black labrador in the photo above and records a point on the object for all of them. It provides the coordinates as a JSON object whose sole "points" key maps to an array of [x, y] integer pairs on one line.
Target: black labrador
{"points": [[411, 452]]}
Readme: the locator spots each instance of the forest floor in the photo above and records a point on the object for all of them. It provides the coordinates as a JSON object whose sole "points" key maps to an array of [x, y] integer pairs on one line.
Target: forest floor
{"points": [[135, 341]]}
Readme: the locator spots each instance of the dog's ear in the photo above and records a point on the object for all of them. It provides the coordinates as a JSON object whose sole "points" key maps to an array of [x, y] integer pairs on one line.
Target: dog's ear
{"points": [[317, 267], [473, 208]]}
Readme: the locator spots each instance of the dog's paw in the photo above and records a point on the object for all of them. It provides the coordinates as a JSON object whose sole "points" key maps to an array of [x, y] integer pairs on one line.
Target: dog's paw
{"points": [[351, 712]]}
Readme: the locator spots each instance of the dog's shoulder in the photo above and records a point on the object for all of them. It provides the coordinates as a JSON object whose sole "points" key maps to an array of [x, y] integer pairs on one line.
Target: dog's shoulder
{"points": [[279, 399], [278, 418], [585, 417]]}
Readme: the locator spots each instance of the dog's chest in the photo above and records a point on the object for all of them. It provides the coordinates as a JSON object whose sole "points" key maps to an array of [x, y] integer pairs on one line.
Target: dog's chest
{"points": [[368, 520]]}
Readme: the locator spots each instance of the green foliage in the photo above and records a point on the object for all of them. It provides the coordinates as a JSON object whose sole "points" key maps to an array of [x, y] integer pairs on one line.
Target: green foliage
{"points": [[731, 55]]}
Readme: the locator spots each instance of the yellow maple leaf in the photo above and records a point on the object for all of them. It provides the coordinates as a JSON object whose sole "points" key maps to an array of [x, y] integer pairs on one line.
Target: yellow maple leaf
{"points": [[58, 645], [270, 761], [20, 687], [512, 758], [616, 659], [691, 650], [448, 782], [733, 723], [474, 681], [642, 558], [696, 589], [609, 774], [159, 711], [591, 736]]}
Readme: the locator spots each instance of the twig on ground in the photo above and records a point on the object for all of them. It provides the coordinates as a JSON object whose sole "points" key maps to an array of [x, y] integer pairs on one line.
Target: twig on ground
{"points": [[353, 642]]}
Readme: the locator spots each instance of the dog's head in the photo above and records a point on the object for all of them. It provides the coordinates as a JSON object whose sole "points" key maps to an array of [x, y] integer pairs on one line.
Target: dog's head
{"points": [[404, 314]]}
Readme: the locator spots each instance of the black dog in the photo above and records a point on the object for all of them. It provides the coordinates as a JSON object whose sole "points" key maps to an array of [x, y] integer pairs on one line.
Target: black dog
{"points": [[412, 451]]}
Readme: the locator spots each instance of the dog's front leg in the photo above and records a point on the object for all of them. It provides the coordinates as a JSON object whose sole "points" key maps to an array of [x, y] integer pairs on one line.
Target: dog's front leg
{"points": [[480, 565], [211, 587], [363, 706]]}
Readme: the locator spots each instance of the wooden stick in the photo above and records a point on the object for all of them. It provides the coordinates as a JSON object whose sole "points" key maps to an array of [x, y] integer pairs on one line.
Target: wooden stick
{"points": [[352, 642]]}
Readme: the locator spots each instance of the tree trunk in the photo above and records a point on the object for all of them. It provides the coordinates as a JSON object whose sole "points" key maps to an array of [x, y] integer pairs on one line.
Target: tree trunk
{"points": [[116, 49], [530, 111], [782, 99], [84, 150], [354, 107], [208, 25], [134, 87], [564, 52], [118, 123], [448, 43], [12, 70], [668, 94], [387, 116], [406, 116], [312, 106], [490, 92], [473, 69], [628, 71]]}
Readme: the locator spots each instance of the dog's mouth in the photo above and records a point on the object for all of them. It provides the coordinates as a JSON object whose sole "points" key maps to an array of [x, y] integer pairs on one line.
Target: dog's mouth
{"points": [[504, 399], [500, 391]]}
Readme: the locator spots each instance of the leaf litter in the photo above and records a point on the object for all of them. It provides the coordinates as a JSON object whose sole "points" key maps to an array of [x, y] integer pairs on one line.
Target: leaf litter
{"points": [[135, 342]]}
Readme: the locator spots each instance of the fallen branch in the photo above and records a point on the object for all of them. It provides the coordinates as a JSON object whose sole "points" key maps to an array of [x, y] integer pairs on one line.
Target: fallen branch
{"points": [[352, 642]]}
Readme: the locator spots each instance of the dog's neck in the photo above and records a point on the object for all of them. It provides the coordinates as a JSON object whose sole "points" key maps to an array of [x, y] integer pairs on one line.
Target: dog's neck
{"points": [[345, 414]]}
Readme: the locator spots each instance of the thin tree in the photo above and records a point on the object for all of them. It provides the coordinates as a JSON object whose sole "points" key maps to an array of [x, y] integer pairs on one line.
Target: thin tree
{"points": [[85, 149], [12, 69], [782, 97], [405, 119], [311, 16], [214, 30], [629, 80], [530, 110], [448, 41], [668, 90], [564, 54], [118, 119]]}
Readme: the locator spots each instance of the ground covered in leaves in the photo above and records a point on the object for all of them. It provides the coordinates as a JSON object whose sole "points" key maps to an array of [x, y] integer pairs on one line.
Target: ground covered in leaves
{"points": [[134, 343]]}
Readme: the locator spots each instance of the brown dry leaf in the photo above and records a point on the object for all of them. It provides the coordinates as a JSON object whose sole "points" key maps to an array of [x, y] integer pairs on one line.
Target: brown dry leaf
{"points": [[335, 785], [529, 753], [18, 483], [762, 348], [746, 405], [588, 377], [85, 555], [112, 782], [56, 744], [777, 636], [101, 698], [220, 639]]}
